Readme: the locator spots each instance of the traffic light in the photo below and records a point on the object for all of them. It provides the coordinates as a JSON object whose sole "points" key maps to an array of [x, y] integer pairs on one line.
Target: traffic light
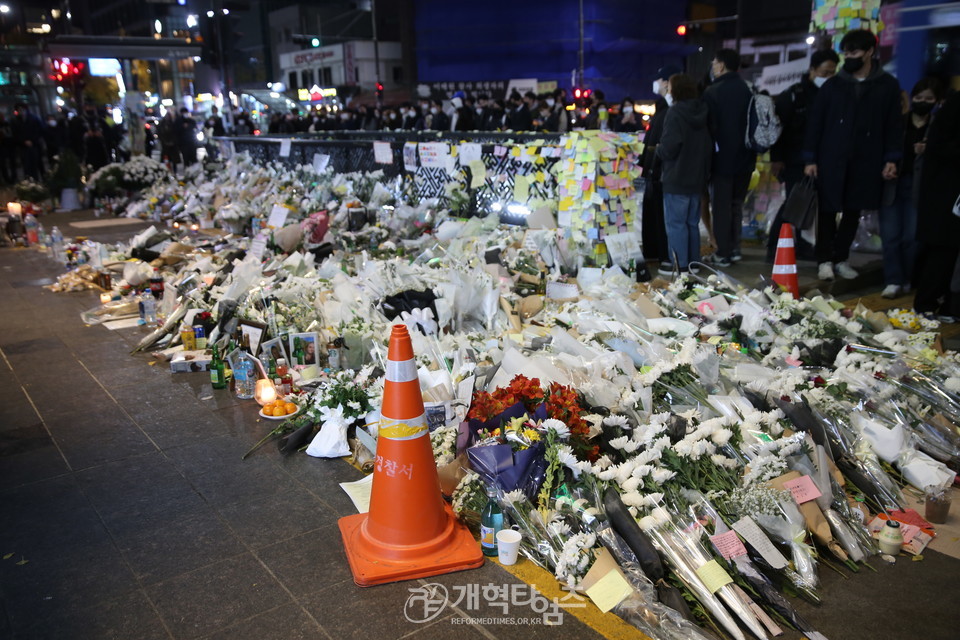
{"points": [[63, 69], [581, 97], [379, 91], [314, 42], [307, 40], [682, 30]]}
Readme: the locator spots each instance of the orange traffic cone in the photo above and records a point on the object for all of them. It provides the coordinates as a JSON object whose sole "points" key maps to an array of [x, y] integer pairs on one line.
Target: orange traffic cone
{"points": [[409, 531], [785, 264]]}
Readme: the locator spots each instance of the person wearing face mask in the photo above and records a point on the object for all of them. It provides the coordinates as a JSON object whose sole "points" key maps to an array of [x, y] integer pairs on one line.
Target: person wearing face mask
{"points": [[938, 225], [653, 231], [898, 219], [685, 151], [786, 156], [854, 140], [462, 119], [627, 121], [437, 120], [557, 119], [728, 99]]}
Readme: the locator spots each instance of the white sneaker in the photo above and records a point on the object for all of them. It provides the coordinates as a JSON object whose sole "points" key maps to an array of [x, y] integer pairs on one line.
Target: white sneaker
{"points": [[891, 291], [826, 271], [846, 271]]}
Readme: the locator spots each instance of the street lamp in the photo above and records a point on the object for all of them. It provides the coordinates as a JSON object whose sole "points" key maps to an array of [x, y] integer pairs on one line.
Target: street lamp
{"points": [[158, 26], [191, 21], [4, 8]]}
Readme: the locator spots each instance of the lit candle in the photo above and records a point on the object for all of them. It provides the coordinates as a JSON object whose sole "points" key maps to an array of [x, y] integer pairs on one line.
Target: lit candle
{"points": [[105, 298], [14, 208], [265, 392]]}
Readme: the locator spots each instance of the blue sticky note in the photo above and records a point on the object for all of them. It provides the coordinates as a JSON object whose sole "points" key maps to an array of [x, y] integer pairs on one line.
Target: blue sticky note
{"points": [[592, 233], [854, 23]]}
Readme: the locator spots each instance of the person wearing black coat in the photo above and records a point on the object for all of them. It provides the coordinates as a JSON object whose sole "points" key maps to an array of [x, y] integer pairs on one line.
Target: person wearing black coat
{"points": [[685, 151], [854, 140], [728, 99], [652, 229], [437, 120], [187, 137], [938, 227], [786, 155]]}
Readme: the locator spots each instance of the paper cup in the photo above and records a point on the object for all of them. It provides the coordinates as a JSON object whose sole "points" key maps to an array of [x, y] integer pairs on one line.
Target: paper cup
{"points": [[508, 545]]}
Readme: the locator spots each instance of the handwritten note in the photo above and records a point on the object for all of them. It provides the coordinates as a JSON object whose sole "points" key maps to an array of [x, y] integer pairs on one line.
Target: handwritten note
{"points": [[258, 246], [521, 188], [478, 173], [757, 539], [382, 153], [803, 489], [729, 545], [410, 156], [609, 591], [433, 154], [714, 577], [562, 291], [285, 145], [470, 152]]}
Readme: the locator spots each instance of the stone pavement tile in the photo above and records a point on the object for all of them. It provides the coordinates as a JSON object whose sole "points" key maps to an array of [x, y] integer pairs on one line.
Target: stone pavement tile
{"points": [[201, 602], [87, 446], [43, 515], [323, 476], [309, 562], [129, 616], [41, 460], [244, 422], [180, 425], [15, 409], [130, 482], [215, 468], [184, 544], [289, 622], [370, 612], [266, 521], [111, 375]]}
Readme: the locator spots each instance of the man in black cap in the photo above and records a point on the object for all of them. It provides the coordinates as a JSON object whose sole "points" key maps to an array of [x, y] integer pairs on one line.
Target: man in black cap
{"points": [[653, 229]]}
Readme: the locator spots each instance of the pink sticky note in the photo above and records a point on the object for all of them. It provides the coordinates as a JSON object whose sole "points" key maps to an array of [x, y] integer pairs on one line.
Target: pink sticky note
{"points": [[793, 362], [586, 184], [803, 489], [729, 545]]}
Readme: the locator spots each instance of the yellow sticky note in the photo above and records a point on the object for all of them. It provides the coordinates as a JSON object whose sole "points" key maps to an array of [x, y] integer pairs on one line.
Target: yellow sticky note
{"points": [[713, 576], [478, 173], [609, 591], [566, 203], [515, 152], [540, 177], [521, 188]]}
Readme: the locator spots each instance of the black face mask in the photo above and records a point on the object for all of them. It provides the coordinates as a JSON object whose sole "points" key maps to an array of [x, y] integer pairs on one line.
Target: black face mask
{"points": [[852, 65], [922, 108]]}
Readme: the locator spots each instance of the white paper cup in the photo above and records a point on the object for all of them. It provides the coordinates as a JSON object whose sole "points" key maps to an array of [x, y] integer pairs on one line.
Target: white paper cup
{"points": [[508, 545]]}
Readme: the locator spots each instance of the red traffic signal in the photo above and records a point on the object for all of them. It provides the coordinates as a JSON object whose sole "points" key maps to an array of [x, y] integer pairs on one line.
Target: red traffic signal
{"points": [[379, 87], [682, 30]]}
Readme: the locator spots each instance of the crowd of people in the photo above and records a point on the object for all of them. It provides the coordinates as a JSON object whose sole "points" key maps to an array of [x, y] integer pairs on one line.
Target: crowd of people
{"points": [[848, 127], [33, 144], [547, 112]]}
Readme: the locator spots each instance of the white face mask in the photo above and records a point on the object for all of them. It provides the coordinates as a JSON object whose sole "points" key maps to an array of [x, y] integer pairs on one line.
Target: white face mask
{"points": [[656, 87], [393, 116], [479, 111], [551, 102], [669, 99], [627, 108], [818, 80], [434, 110]]}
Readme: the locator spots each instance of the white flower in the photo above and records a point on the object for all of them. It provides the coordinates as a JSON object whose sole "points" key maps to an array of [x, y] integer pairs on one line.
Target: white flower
{"points": [[619, 443], [721, 437], [632, 484], [661, 475], [512, 497], [617, 421], [558, 427]]}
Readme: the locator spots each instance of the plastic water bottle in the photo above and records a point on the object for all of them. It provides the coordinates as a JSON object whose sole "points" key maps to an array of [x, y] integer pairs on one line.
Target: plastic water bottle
{"points": [[245, 377], [491, 521], [149, 309], [56, 245]]}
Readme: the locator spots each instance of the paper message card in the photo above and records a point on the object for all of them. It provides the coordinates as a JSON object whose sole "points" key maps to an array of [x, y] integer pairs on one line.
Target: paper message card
{"points": [[478, 173], [803, 489], [285, 145], [757, 539], [258, 246], [382, 153], [609, 591], [729, 545], [469, 152], [714, 576], [562, 291], [433, 154], [278, 216]]}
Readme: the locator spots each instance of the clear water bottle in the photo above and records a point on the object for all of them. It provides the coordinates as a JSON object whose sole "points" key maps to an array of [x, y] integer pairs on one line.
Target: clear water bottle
{"points": [[56, 246], [491, 521], [245, 377], [149, 309]]}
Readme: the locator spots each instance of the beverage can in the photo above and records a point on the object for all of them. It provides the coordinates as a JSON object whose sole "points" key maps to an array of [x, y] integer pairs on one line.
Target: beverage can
{"points": [[189, 339], [200, 335]]}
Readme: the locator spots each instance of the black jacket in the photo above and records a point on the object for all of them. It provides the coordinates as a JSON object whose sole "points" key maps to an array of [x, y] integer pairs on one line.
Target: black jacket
{"points": [[521, 119], [728, 99], [939, 187], [651, 162], [854, 128], [685, 148], [793, 108]]}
